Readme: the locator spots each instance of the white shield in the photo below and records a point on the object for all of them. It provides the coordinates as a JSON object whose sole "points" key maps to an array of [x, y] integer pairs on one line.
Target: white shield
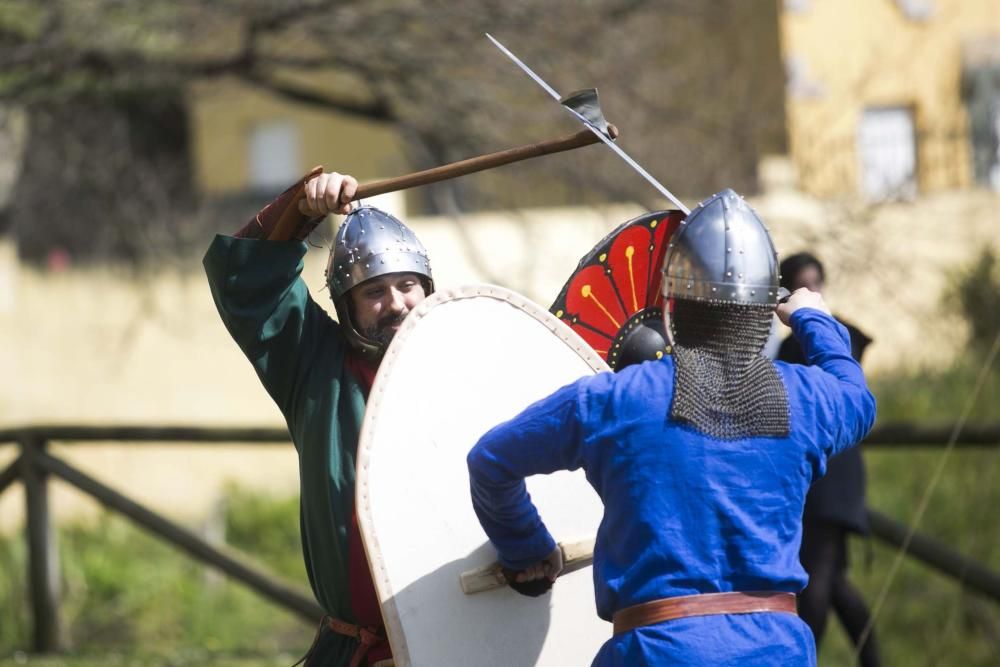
{"points": [[464, 361]]}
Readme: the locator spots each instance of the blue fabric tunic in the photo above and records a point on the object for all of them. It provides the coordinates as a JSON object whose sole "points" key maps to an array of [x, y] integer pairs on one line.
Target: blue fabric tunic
{"points": [[683, 513]]}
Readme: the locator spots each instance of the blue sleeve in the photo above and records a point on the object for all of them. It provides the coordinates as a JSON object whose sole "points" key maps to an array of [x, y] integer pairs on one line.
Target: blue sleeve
{"points": [[842, 408], [542, 439]]}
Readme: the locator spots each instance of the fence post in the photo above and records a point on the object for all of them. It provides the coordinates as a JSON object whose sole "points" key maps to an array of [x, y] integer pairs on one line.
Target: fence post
{"points": [[43, 555]]}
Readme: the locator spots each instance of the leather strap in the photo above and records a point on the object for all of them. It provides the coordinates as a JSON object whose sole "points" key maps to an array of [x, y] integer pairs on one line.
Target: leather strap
{"points": [[705, 604], [368, 637]]}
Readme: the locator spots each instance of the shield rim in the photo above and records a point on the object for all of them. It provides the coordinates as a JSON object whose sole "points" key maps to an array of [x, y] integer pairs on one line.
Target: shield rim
{"points": [[362, 498]]}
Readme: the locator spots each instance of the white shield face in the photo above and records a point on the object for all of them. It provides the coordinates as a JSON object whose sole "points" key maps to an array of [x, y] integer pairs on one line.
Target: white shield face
{"points": [[464, 361]]}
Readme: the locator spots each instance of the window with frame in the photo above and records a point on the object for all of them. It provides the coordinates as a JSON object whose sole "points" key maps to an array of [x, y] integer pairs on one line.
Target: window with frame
{"points": [[274, 155], [887, 154]]}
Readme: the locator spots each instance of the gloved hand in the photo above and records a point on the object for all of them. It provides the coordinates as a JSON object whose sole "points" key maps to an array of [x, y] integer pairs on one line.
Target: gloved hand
{"points": [[532, 588], [538, 578]]}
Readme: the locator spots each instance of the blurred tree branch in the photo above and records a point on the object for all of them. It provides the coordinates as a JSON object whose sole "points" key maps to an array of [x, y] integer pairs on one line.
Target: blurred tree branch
{"points": [[697, 88], [58, 61]]}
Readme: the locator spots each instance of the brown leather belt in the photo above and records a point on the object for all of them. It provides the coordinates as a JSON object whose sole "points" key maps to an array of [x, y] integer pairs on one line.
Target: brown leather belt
{"points": [[367, 637], [705, 604]]}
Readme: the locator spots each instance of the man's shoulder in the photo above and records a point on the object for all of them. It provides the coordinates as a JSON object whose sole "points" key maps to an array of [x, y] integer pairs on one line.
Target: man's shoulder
{"points": [[633, 377]]}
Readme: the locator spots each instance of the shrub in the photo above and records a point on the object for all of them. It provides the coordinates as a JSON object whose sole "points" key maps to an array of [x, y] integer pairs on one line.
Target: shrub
{"points": [[975, 293]]}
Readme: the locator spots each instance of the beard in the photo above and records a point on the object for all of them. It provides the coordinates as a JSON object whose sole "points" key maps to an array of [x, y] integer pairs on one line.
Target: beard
{"points": [[382, 331]]}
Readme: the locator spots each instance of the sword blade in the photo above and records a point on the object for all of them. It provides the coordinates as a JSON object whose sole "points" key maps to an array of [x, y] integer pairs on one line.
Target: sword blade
{"points": [[527, 70], [642, 172], [601, 135]]}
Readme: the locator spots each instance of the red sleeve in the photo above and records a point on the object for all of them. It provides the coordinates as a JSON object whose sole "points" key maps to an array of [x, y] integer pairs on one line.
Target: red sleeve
{"points": [[262, 225]]}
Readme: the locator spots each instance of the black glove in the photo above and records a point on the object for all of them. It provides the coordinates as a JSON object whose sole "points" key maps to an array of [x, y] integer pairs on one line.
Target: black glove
{"points": [[532, 588]]}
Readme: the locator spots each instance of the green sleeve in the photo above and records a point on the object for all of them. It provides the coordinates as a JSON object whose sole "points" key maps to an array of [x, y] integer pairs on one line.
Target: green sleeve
{"points": [[298, 352], [266, 306]]}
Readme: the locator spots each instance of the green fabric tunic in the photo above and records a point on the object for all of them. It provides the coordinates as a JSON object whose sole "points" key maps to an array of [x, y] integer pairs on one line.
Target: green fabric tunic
{"points": [[298, 352]]}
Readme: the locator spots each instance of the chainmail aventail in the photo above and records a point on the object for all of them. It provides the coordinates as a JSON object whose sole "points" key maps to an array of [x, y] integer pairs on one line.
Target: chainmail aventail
{"points": [[723, 385]]}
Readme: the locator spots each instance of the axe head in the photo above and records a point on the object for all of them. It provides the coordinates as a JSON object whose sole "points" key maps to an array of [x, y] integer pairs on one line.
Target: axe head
{"points": [[586, 105]]}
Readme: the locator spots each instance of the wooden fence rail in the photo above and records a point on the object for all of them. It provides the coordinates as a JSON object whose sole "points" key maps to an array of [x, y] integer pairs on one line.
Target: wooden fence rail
{"points": [[35, 464], [902, 435], [938, 555]]}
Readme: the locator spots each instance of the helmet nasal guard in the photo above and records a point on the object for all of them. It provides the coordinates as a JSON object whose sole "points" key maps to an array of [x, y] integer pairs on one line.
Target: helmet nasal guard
{"points": [[371, 243]]}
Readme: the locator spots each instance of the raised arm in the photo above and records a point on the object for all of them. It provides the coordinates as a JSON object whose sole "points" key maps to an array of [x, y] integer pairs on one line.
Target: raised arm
{"points": [[255, 281], [842, 409]]}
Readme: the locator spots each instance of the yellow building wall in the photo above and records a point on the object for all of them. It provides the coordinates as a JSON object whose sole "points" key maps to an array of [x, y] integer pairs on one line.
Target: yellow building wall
{"points": [[868, 53], [224, 114]]}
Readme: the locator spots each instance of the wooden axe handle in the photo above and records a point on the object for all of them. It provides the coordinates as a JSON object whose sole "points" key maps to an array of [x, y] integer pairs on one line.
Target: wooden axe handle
{"points": [[582, 138], [576, 556]]}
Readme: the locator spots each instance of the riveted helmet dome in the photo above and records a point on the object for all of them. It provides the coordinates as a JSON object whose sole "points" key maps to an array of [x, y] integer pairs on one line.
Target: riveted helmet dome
{"points": [[371, 243], [722, 253]]}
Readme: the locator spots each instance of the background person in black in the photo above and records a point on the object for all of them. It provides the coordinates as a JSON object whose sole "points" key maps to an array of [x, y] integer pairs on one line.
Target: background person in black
{"points": [[835, 504]]}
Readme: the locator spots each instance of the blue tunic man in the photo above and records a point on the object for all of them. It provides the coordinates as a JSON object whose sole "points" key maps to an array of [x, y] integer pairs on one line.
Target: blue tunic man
{"points": [[702, 460]]}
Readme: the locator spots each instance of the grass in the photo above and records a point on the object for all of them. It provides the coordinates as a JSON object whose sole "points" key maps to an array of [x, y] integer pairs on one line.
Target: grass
{"points": [[927, 618], [130, 599]]}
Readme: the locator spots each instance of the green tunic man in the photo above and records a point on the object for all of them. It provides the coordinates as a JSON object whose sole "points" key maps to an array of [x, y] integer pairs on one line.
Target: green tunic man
{"points": [[319, 372]]}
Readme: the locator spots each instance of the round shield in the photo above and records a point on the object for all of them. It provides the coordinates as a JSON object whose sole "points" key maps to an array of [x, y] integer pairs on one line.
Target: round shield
{"points": [[613, 299], [464, 361]]}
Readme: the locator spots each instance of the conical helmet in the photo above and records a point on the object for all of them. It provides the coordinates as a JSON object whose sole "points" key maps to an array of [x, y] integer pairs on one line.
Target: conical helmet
{"points": [[722, 253], [371, 243]]}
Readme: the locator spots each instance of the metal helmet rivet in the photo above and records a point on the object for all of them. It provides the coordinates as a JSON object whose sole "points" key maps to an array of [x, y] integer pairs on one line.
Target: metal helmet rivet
{"points": [[354, 256], [693, 257]]}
